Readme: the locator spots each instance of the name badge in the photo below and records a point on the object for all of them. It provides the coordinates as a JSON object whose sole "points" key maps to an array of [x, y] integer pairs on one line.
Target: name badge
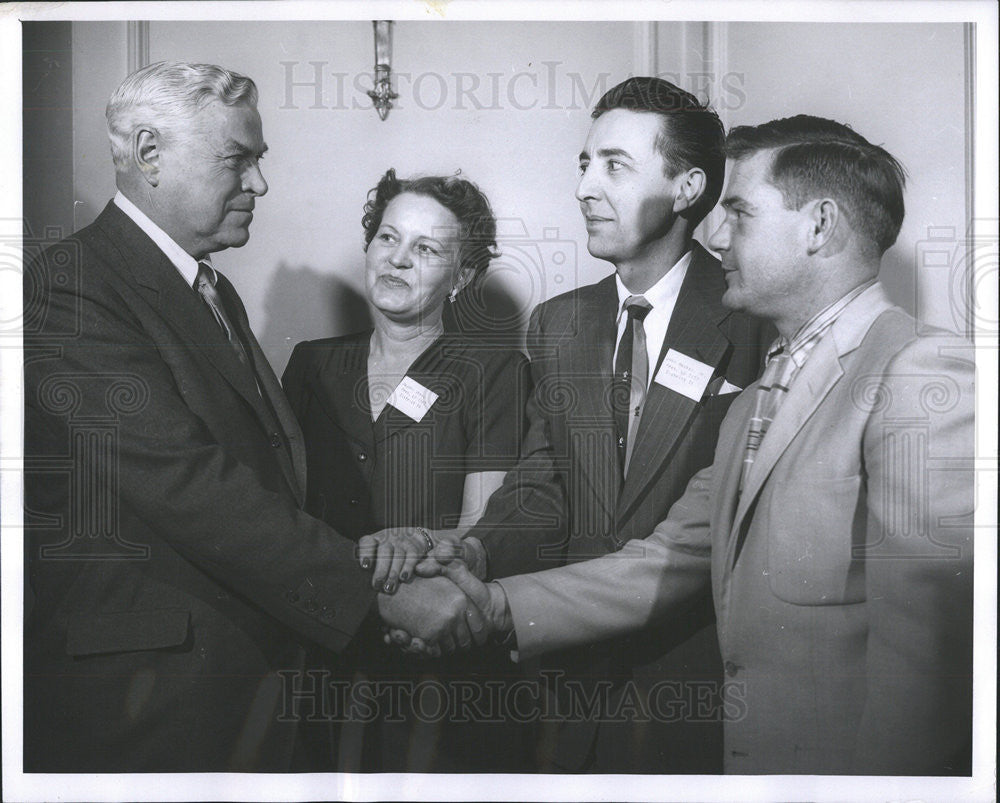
{"points": [[412, 399], [684, 374]]}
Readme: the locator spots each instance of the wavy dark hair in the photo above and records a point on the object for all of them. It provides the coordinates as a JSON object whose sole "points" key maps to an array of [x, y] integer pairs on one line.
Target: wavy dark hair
{"points": [[477, 233], [691, 133]]}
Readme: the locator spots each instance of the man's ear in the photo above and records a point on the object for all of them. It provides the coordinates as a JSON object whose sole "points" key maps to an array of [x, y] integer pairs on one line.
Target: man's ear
{"points": [[690, 188], [146, 147], [824, 224]]}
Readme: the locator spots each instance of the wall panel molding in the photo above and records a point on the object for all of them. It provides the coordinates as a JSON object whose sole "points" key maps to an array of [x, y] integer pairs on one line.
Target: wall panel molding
{"points": [[969, 35], [137, 35], [645, 38]]}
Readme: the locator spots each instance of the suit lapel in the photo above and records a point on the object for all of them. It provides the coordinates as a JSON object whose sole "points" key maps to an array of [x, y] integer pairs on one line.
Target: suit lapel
{"points": [[809, 388], [158, 280], [586, 364], [295, 466], [165, 289], [694, 331]]}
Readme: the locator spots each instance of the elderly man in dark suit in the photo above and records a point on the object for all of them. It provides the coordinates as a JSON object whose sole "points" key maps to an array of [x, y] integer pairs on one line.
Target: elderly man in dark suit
{"points": [[632, 377], [174, 583]]}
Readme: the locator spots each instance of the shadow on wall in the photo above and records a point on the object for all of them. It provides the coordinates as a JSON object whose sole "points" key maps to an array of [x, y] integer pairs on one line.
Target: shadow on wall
{"points": [[899, 279], [488, 311], [307, 304]]}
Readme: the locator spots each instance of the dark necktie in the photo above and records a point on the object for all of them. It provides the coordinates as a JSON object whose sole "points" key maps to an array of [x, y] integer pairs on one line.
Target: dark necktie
{"points": [[205, 286], [631, 376]]}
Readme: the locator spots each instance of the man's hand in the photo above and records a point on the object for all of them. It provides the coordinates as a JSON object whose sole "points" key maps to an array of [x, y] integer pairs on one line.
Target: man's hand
{"points": [[487, 599], [436, 612], [469, 551]]}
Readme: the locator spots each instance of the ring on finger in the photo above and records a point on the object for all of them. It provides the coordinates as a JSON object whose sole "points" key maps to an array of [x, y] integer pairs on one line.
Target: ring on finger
{"points": [[426, 536]]}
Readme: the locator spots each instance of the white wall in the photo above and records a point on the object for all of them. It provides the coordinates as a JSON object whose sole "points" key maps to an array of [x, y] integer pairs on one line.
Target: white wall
{"points": [[900, 86], [302, 270], [517, 134], [99, 65]]}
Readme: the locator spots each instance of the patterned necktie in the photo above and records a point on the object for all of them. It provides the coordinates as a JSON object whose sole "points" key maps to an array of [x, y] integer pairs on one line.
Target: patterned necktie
{"points": [[206, 289], [631, 375], [771, 393]]}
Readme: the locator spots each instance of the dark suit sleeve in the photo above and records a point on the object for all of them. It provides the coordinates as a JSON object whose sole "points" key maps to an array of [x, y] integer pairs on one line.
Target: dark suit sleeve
{"points": [[494, 420], [918, 452], [529, 509], [175, 476]]}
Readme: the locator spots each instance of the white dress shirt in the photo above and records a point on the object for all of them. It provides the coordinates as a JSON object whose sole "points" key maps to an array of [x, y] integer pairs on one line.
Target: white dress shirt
{"points": [[663, 297], [186, 264]]}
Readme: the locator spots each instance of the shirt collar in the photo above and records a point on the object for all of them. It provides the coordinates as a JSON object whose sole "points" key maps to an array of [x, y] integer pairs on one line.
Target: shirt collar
{"points": [[186, 264], [667, 286], [802, 342]]}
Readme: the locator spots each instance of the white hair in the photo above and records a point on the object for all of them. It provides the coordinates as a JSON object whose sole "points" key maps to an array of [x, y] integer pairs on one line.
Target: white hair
{"points": [[166, 95]]}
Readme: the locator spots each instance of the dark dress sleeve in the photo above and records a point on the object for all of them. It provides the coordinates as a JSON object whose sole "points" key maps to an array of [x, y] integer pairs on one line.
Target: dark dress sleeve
{"points": [[293, 379]]}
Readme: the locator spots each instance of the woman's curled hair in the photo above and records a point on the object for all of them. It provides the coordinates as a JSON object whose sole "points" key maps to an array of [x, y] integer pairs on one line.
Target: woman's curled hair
{"points": [[477, 230]]}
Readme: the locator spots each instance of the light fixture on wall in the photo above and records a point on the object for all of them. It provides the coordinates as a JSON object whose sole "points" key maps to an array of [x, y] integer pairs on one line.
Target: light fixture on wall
{"points": [[382, 95]]}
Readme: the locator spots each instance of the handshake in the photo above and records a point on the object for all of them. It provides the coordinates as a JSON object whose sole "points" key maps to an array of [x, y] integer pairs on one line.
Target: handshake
{"points": [[431, 598]]}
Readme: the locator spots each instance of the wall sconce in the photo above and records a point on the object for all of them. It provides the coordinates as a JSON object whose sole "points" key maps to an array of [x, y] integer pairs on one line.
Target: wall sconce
{"points": [[382, 95]]}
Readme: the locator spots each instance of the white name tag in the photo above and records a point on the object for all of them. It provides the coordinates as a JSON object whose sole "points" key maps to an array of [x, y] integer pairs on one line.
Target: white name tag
{"points": [[684, 374], [412, 399]]}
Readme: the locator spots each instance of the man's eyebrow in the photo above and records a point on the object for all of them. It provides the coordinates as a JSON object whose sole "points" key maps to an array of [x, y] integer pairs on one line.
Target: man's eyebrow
{"points": [[612, 152], [234, 146], [605, 153], [734, 200]]}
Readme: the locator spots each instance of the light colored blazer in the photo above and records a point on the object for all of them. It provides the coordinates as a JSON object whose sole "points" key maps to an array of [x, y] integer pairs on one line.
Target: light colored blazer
{"points": [[842, 577]]}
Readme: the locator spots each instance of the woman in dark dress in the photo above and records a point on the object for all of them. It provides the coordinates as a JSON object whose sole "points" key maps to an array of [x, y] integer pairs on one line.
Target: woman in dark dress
{"points": [[408, 426]]}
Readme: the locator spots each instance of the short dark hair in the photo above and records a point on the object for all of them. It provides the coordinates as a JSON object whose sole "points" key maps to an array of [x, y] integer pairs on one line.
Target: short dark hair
{"points": [[477, 225], [692, 135], [816, 158]]}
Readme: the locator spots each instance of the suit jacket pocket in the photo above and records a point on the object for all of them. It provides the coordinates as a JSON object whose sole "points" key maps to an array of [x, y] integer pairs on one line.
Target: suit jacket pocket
{"points": [[812, 526], [126, 631]]}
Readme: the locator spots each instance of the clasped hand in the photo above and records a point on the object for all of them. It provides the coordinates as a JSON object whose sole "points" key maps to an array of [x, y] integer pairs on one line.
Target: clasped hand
{"points": [[445, 608]]}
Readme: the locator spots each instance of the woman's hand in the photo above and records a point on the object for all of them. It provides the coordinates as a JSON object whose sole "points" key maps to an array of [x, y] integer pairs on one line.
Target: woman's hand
{"points": [[392, 555]]}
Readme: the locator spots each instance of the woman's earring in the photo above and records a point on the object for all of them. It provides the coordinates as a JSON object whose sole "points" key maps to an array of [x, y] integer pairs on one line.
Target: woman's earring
{"points": [[452, 295]]}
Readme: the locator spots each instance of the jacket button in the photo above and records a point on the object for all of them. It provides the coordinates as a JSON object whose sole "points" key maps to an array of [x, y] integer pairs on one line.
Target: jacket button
{"points": [[275, 440], [326, 612], [362, 457], [292, 596], [732, 669], [311, 605], [355, 501]]}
